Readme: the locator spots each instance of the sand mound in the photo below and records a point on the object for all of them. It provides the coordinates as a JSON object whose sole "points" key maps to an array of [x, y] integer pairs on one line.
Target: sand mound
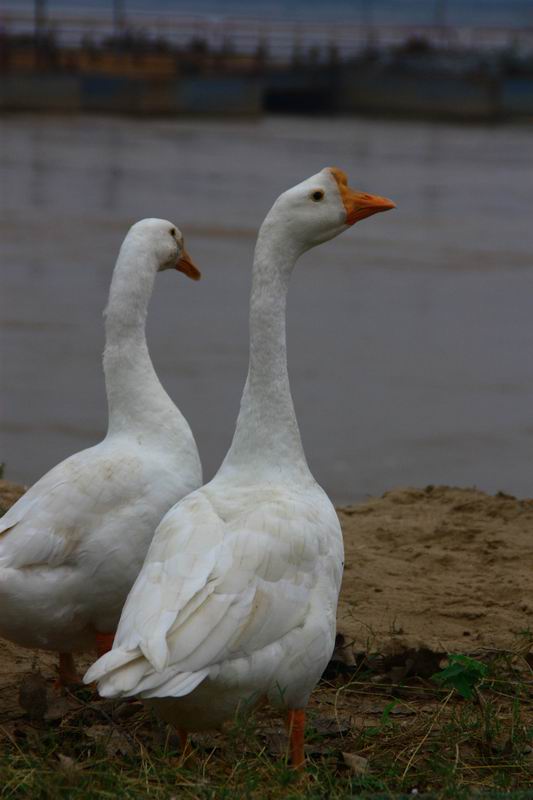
{"points": [[9, 494], [445, 568], [441, 568]]}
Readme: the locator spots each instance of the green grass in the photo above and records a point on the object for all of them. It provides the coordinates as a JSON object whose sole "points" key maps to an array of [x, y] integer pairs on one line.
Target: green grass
{"points": [[418, 737]]}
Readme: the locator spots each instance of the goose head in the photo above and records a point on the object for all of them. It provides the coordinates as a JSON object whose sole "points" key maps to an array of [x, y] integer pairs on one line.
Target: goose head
{"points": [[165, 240], [321, 207]]}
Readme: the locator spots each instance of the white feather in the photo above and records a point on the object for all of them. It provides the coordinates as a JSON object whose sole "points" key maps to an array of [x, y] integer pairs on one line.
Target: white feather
{"points": [[72, 546], [237, 597]]}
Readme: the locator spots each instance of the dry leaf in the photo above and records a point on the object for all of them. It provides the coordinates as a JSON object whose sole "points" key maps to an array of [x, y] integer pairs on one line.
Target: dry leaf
{"points": [[207, 741], [58, 707], [357, 764], [502, 744], [114, 741], [67, 763], [276, 744], [332, 726], [127, 709], [402, 711]]}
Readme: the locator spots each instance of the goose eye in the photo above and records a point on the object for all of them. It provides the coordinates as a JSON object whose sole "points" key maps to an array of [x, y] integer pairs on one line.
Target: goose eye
{"points": [[317, 195], [173, 232]]}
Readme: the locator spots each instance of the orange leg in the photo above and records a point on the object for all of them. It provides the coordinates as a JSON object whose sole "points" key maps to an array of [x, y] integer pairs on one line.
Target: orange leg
{"points": [[104, 643], [67, 670], [296, 726]]}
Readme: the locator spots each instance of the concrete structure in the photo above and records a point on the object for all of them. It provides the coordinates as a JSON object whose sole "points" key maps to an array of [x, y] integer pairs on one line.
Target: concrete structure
{"points": [[381, 90], [517, 97], [423, 85], [227, 95]]}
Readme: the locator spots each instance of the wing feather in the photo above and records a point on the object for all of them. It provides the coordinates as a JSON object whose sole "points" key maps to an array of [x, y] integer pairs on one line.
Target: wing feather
{"points": [[212, 590], [47, 524]]}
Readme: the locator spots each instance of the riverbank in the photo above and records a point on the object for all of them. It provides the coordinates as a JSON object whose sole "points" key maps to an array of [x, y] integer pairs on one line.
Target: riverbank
{"points": [[375, 89], [428, 572], [440, 569]]}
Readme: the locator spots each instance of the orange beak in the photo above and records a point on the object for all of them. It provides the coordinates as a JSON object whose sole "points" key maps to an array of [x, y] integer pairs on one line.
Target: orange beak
{"points": [[358, 205], [188, 267]]}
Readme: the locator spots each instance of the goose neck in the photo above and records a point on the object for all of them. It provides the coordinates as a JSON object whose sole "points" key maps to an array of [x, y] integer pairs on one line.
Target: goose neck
{"points": [[136, 399], [267, 435], [129, 295]]}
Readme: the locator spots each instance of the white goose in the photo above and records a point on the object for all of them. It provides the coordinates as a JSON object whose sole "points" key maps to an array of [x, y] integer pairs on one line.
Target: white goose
{"points": [[237, 598], [72, 546]]}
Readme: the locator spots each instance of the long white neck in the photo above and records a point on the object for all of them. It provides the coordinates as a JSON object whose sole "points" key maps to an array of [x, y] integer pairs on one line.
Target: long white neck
{"points": [[267, 438], [137, 402]]}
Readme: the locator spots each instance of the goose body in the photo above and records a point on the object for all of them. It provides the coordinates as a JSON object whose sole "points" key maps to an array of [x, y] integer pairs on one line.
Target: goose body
{"points": [[72, 546], [236, 601]]}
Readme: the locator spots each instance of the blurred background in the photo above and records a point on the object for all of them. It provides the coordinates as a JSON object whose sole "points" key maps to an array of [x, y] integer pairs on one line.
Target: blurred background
{"points": [[410, 336]]}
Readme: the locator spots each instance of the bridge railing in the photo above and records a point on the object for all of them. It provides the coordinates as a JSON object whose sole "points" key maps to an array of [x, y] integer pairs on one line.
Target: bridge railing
{"points": [[282, 40]]}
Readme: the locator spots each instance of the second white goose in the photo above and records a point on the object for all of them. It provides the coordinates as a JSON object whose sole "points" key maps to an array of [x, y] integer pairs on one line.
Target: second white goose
{"points": [[71, 547]]}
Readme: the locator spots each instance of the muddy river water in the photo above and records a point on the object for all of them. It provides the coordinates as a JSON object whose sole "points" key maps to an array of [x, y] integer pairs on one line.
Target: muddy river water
{"points": [[410, 336]]}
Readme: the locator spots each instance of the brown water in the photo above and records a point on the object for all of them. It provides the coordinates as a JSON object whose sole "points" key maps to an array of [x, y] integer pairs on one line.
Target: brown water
{"points": [[410, 336]]}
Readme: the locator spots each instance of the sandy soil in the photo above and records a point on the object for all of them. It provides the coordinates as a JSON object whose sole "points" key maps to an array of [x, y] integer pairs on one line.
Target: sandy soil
{"points": [[445, 568], [441, 568], [9, 494]]}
